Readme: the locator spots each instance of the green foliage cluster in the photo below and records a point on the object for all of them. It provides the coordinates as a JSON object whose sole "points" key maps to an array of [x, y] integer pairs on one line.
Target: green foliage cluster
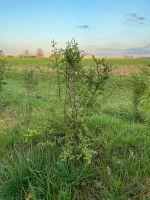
{"points": [[139, 85], [77, 97], [30, 82], [2, 73], [2, 83]]}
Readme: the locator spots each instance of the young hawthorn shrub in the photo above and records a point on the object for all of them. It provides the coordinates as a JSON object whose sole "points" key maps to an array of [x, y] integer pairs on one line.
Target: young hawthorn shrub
{"points": [[2, 73], [139, 87], [96, 79], [2, 79], [56, 58], [78, 88], [144, 105], [30, 82]]}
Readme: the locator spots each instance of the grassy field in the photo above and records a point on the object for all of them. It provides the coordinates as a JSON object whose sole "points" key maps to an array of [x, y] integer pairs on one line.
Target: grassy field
{"points": [[43, 61], [30, 166]]}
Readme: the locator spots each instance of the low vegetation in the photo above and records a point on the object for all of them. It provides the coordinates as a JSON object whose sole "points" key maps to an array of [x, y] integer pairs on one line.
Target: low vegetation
{"points": [[74, 128]]}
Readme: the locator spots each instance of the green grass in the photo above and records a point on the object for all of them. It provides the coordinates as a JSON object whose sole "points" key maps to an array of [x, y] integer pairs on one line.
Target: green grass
{"points": [[27, 61], [45, 61], [119, 171]]}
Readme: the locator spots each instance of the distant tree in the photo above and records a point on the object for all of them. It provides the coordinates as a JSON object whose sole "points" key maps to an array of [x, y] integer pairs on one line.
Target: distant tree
{"points": [[39, 53], [10, 56], [1, 53], [26, 53], [33, 56]]}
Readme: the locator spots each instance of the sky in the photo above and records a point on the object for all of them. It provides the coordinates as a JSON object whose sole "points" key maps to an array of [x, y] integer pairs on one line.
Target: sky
{"points": [[111, 28]]}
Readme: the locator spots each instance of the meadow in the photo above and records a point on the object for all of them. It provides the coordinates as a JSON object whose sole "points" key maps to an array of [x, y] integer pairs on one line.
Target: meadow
{"points": [[54, 147]]}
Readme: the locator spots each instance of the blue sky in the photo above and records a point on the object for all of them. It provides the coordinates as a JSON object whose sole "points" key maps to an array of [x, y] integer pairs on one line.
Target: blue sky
{"points": [[102, 27]]}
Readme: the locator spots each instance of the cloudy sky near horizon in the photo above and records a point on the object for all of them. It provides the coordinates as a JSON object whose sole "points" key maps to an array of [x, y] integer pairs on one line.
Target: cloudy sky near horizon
{"points": [[110, 28]]}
